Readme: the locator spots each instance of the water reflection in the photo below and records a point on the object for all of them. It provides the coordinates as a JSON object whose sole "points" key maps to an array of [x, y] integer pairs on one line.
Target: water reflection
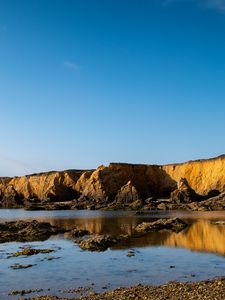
{"points": [[200, 236]]}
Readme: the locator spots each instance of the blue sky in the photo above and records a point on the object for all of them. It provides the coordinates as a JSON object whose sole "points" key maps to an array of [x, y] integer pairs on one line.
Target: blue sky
{"points": [[88, 82]]}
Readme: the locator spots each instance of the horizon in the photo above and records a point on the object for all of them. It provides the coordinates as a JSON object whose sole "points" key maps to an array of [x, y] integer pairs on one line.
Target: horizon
{"points": [[121, 163], [86, 83]]}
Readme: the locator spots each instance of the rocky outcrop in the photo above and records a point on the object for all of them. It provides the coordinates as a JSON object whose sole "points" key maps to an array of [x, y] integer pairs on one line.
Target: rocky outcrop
{"points": [[22, 231], [119, 185], [174, 224], [106, 181], [184, 193], [213, 203], [50, 186], [203, 176], [10, 198], [97, 243]]}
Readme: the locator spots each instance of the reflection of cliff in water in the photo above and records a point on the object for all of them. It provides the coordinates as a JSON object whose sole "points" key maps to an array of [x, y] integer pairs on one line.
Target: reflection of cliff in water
{"points": [[201, 236], [98, 225]]}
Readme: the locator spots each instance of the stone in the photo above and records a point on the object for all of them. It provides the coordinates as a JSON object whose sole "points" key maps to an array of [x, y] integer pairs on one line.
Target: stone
{"points": [[174, 224], [26, 231], [97, 243], [184, 193], [78, 232]]}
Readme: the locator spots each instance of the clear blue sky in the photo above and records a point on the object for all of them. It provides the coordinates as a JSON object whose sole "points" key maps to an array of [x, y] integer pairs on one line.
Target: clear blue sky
{"points": [[87, 82]]}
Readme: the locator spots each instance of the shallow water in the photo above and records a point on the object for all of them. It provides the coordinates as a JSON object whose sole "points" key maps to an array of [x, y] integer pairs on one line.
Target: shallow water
{"points": [[195, 254]]}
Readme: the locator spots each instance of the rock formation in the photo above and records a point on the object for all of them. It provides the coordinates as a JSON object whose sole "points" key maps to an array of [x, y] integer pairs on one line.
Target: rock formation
{"points": [[120, 184], [184, 193]]}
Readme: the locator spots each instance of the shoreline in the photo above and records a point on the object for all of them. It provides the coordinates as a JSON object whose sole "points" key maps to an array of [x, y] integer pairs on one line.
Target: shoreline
{"points": [[208, 290]]}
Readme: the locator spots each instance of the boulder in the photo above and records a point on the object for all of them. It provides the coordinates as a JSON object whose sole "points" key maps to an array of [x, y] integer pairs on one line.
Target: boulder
{"points": [[127, 194], [78, 232], [97, 242], [174, 224], [214, 203]]}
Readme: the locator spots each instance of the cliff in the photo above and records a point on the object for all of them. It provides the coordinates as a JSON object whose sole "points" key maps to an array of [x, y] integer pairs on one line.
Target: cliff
{"points": [[51, 186], [117, 183], [202, 175]]}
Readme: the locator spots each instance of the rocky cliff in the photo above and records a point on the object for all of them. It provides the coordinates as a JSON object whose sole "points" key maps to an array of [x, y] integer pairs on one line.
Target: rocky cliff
{"points": [[119, 184], [202, 175], [50, 186]]}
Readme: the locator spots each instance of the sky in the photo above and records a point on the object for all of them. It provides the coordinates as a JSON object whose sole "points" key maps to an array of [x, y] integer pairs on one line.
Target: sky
{"points": [[88, 82]]}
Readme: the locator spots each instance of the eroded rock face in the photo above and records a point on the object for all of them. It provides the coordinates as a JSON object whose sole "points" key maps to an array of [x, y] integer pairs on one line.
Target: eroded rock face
{"points": [[203, 175], [106, 182], [127, 194], [184, 193], [50, 186], [10, 198], [124, 185], [174, 224]]}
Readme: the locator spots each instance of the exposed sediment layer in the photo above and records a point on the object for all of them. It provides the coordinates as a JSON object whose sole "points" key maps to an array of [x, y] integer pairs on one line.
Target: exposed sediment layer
{"points": [[118, 183], [202, 175]]}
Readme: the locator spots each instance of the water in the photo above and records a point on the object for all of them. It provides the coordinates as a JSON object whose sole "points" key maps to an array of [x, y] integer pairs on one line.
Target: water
{"points": [[197, 253]]}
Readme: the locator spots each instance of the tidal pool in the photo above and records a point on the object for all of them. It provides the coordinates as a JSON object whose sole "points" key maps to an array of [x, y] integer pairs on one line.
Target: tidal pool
{"points": [[196, 253]]}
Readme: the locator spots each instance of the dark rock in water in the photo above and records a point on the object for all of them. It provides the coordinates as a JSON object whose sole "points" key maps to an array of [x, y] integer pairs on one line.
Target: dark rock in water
{"points": [[97, 243], [130, 253], [174, 224], [30, 251], [27, 231], [77, 232], [19, 266], [24, 292]]}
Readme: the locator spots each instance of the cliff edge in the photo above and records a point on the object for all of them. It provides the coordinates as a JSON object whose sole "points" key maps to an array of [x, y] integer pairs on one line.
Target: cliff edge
{"points": [[126, 185]]}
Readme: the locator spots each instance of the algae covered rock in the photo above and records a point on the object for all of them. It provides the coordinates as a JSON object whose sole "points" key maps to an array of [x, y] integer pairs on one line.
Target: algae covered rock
{"points": [[26, 231], [174, 224], [97, 242]]}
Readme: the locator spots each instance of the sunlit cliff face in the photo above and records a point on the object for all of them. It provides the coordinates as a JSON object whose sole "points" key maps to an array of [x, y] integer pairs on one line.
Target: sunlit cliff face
{"points": [[200, 236]]}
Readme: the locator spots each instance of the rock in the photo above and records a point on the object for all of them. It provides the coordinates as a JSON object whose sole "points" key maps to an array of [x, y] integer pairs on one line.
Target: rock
{"points": [[10, 198], [19, 266], [30, 251], [24, 292], [127, 194], [129, 184], [184, 193], [174, 224], [214, 203], [77, 232], [50, 186], [130, 253], [97, 243], [107, 182], [207, 290], [25, 231], [161, 206]]}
